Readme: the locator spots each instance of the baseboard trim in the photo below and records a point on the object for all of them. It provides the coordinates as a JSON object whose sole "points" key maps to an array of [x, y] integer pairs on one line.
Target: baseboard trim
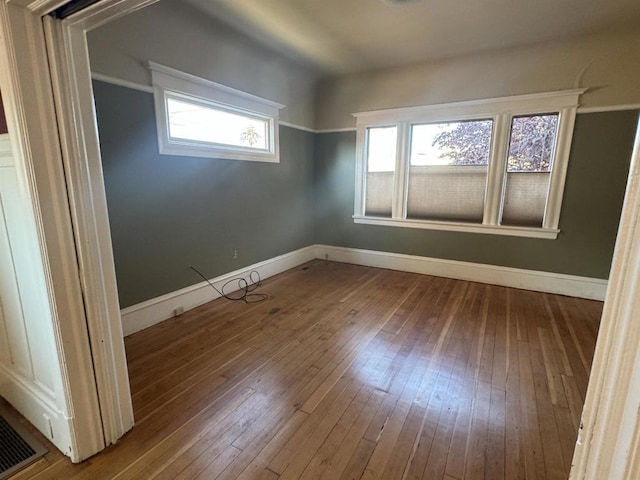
{"points": [[570, 285], [36, 406], [159, 309], [146, 314]]}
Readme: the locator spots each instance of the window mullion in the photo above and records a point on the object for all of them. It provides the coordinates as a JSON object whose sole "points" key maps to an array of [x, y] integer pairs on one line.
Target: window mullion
{"points": [[361, 169], [497, 169], [400, 178]]}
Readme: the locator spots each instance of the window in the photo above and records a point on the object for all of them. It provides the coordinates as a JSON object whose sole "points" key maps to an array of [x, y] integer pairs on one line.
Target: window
{"points": [[488, 166], [448, 170], [381, 166], [197, 117], [531, 147]]}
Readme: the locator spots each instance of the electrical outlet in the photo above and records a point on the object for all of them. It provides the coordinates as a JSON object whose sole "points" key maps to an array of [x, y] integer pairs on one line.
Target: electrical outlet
{"points": [[178, 311], [235, 253], [326, 256]]}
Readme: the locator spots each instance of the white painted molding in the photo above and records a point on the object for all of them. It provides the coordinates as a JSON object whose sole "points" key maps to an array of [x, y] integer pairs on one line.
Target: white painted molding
{"points": [[181, 81], [472, 109], [559, 167], [156, 310], [39, 7], [149, 89], [609, 108], [27, 90], [73, 94], [574, 286], [336, 130], [38, 407], [6, 157], [171, 84], [121, 83], [297, 127], [101, 77], [501, 111], [104, 11], [548, 233]]}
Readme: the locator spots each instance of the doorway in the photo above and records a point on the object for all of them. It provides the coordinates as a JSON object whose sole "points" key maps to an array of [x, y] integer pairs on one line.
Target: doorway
{"points": [[78, 132]]}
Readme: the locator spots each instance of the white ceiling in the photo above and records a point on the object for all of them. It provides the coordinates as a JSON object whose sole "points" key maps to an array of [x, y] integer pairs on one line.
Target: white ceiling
{"points": [[341, 36]]}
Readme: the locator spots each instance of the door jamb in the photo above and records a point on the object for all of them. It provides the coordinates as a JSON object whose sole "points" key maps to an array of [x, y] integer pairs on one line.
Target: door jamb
{"points": [[30, 112]]}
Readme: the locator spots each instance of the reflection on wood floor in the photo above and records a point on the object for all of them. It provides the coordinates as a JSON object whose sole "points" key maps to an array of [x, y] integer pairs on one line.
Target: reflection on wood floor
{"points": [[350, 372]]}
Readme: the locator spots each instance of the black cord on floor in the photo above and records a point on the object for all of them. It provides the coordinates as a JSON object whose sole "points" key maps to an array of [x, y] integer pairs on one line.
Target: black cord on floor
{"points": [[244, 287]]}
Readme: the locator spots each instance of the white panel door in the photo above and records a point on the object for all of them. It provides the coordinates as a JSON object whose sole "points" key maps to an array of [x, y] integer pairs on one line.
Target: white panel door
{"points": [[27, 348], [13, 335]]}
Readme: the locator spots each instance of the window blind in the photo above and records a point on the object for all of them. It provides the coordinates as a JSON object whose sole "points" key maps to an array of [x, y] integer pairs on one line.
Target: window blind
{"points": [[525, 198], [379, 194], [453, 193]]}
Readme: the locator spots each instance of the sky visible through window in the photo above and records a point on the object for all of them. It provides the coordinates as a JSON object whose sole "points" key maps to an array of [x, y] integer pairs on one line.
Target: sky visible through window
{"points": [[451, 143], [424, 150], [199, 123], [447, 143], [381, 152]]}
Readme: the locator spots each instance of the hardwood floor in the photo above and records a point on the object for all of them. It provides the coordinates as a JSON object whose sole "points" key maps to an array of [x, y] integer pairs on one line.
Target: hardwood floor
{"points": [[349, 372]]}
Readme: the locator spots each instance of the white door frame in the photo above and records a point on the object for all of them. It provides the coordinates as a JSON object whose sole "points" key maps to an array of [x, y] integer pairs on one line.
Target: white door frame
{"points": [[73, 93], [48, 100], [29, 108], [609, 440]]}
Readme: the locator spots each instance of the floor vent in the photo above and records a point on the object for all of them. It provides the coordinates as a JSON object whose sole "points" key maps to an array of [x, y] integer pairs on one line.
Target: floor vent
{"points": [[18, 448]]}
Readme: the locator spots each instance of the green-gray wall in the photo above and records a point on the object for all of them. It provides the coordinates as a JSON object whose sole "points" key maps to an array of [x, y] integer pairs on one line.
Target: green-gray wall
{"points": [[169, 212], [594, 190]]}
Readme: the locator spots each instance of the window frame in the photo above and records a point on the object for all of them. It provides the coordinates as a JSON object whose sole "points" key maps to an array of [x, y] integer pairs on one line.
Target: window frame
{"points": [[501, 110], [169, 83]]}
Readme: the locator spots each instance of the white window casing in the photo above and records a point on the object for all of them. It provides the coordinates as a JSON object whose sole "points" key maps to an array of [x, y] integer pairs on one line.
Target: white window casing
{"points": [[172, 84], [501, 111]]}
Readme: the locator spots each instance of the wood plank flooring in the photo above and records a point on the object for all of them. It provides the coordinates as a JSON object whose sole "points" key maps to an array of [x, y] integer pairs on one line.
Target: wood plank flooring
{"points": [[348, 372]]}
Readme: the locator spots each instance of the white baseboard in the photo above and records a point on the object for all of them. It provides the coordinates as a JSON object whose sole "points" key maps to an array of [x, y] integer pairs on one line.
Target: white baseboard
{"points": [[36, 406], [156, 310], [571, 285]]}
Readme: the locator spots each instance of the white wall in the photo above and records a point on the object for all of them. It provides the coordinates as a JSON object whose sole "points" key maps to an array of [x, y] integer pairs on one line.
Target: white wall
{"points": [[178, 36], [608, 65], [30, 376]]}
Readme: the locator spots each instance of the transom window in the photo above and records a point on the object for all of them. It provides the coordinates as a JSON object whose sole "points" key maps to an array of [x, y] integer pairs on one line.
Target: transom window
{"points": [[200, 122], [489, 166], [197, 117]]}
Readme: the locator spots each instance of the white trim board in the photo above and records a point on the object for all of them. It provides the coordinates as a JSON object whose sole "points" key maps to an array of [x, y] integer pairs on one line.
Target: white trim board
{"points": [[610, 108], [297, 127], [101, 77], [336, 130], [36, 406], [156, 310], [570, 285], [145, 314]]}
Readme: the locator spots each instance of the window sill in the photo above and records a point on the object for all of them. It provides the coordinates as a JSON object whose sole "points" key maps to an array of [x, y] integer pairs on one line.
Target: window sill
{"points": [[531, 232], [195, 150]]}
